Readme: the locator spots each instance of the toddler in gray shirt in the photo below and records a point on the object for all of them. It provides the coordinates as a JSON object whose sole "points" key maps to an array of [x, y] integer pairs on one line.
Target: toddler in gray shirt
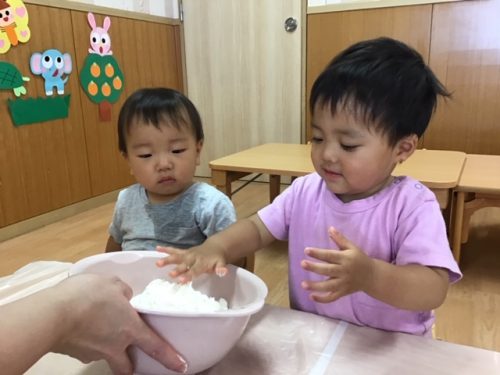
{"points": [[161, 136]]}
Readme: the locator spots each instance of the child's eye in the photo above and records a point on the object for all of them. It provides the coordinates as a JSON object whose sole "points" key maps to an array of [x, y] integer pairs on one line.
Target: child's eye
{"points": [[316, 140], [144, 156], [348, 147], [178, 151]]}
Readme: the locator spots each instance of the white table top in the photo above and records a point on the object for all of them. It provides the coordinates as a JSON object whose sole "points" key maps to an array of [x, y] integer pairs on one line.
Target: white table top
{"points": [[284, 341]]}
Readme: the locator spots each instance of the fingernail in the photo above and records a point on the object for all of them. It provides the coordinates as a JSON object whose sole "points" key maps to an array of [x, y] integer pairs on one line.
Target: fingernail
{"points": [[184, 363], [220, 272]]}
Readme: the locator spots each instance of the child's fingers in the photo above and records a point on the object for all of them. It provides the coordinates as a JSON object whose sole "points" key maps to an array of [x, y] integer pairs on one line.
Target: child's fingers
{"points": [[171, 259], [323, 291], [337, 237], [169, 250], [326, 269], [329, 256], [325, 297], [175, 256]]}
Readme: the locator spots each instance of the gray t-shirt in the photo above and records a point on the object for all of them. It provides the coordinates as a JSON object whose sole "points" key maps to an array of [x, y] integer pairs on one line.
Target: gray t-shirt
{"points": [[186, 221]]}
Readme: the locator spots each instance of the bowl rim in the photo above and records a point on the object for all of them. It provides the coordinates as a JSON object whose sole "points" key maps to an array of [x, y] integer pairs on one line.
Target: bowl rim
{"points": [[131, 256]]}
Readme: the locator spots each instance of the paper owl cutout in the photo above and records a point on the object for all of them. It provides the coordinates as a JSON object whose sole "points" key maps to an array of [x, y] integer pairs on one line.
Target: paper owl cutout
{"points": [[13, 24]]}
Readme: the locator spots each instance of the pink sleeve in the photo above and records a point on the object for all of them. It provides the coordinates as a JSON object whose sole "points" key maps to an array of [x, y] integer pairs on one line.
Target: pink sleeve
{"points": [[421, 239], [276, 216]]}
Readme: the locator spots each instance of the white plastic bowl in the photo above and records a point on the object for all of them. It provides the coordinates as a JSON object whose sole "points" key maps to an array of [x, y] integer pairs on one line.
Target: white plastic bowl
{"points": [[202, 338]]}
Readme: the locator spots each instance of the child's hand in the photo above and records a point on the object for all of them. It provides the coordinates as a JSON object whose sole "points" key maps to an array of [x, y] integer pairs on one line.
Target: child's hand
{"points": [[348, 269], [193, 262]]}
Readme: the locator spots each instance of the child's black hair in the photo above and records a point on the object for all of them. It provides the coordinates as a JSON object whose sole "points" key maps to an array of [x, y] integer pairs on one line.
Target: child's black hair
{"points": [[155, 106], [384, 81]]}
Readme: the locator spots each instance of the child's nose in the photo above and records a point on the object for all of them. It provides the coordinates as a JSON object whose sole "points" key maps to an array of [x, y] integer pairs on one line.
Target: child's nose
{"points": [[329, 154], [164, 162]]}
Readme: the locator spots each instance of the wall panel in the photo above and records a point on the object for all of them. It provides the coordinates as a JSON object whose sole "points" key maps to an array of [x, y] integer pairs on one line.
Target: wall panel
{"points": [[148, 55], [43, 166], [465, 54], [50, 165], [330, 33]]}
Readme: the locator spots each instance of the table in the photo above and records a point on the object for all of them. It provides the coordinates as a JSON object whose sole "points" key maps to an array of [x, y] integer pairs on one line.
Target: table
{"points": [[478, 187], [439, 170], [283, 341], [274, 159]]}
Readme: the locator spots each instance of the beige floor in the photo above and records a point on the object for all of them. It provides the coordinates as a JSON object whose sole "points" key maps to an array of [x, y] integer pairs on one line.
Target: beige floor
{"points": [[470, 315]]}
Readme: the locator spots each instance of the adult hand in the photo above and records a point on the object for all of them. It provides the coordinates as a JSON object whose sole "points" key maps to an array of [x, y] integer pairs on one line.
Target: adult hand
{"points": [[102, 324], [347, 270], [86, 316]]}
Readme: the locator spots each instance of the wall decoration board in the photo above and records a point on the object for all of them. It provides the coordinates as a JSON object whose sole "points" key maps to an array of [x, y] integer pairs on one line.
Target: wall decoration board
{"points": [[42, 166], [162, 8], [53, 164], [101, 76], [149, 56], [14, 27]]}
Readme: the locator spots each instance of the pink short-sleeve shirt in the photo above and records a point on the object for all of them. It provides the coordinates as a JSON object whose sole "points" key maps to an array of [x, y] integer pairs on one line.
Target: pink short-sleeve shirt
{"points": [[402, 224]]}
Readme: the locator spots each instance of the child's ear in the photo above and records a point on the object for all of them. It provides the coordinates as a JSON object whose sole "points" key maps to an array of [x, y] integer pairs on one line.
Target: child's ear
{"points": [[199, 146], [125, 156], [405, 147]]}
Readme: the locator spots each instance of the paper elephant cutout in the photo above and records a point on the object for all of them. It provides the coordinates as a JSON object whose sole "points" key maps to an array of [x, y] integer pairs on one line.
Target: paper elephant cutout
{"points": [[52, 65]]}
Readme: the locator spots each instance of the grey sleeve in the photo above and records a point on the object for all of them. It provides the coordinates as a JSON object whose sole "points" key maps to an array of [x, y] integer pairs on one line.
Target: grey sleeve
{"points": [[216, 214], [115, 226]]}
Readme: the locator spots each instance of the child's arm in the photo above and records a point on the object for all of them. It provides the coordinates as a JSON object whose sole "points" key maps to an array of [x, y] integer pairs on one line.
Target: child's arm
{"points": [[410, 287], [239, 240], [112, 245]]}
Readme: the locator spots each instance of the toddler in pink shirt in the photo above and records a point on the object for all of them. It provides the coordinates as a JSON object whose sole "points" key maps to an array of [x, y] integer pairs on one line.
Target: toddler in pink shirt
{"points": [[364, 246]]}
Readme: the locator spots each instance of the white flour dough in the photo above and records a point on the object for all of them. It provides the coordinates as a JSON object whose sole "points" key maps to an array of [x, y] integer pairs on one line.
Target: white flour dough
{"points": [[163, 296]]}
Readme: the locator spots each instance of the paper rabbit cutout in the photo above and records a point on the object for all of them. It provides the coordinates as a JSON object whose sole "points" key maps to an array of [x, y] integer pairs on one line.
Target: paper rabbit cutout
{"points": [[100, 41]]}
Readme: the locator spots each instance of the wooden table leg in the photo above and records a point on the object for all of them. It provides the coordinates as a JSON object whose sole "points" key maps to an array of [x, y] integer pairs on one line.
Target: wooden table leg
{"points": [[274, 186], [220, 179], [458, 214]]}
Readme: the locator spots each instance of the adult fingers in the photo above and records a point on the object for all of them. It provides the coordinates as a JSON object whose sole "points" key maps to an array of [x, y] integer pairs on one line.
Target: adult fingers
{"points": [[153, 345], [120, 364], [126, 290]]}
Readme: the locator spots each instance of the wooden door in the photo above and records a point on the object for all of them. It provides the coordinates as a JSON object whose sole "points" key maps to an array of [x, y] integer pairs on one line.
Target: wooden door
{"points": [[330, 33], [243, 73], [465, 55]]}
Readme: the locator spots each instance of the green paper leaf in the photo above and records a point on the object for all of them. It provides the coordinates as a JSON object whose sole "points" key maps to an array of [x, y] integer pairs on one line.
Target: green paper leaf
{"points": [[101, 78], [33, 110]]}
